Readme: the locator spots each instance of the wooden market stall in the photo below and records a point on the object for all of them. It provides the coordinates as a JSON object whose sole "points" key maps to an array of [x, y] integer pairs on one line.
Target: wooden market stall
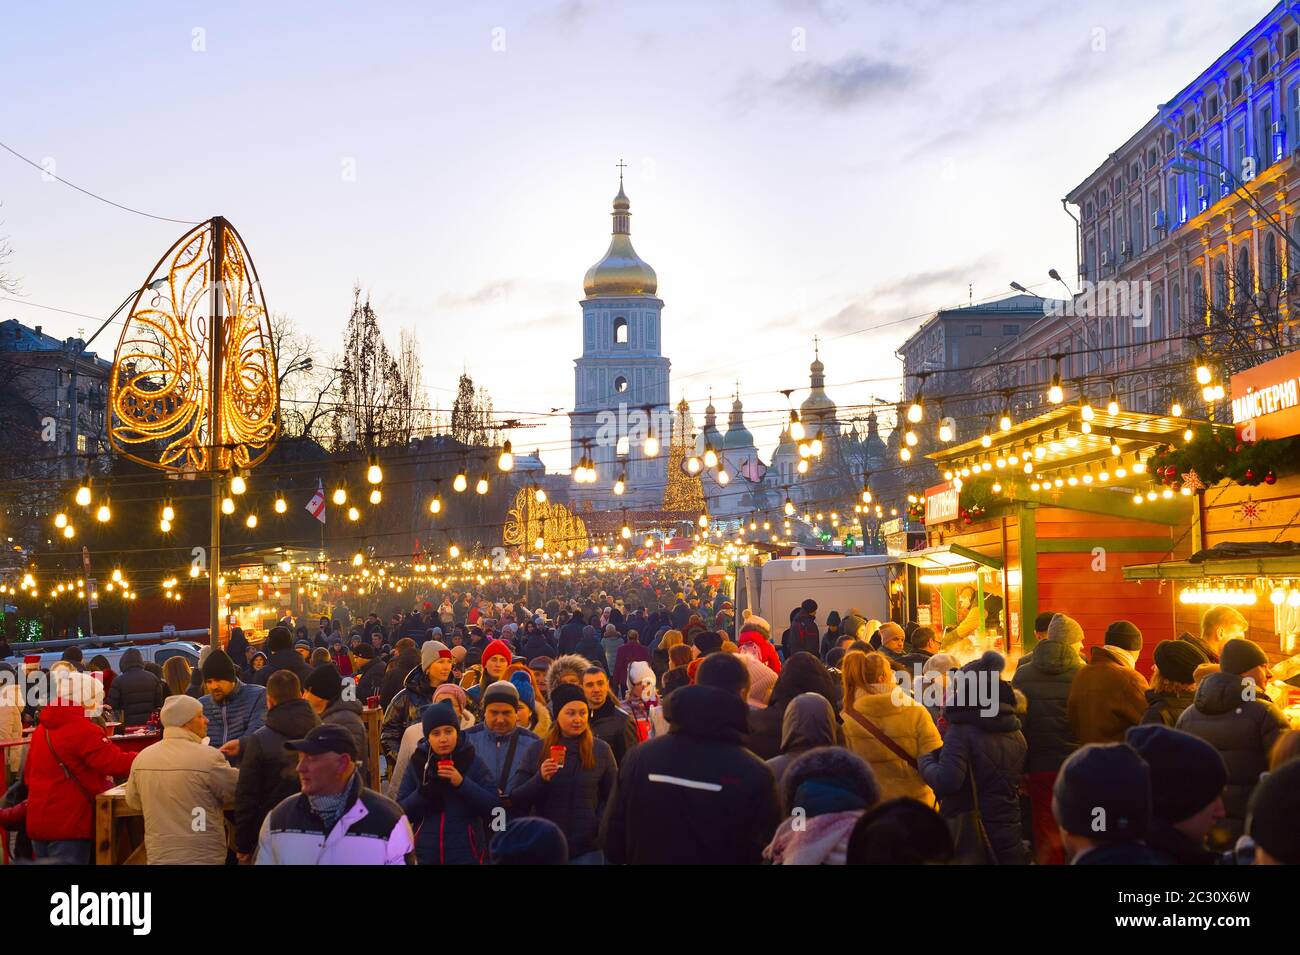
{"points": [[1246, 521], [1053, 505]]}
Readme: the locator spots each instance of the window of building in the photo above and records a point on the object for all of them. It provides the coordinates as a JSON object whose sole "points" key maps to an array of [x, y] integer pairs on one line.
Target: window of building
{"points": [[1292, 42], [1261, 65], [82, 447], [1241, 274], [620, 331], [1267, 150], [1010, 329], [1175, 308], [1157, 315], [1220, 284], [1238, 149], [1271, 273], [620, 384], [1190, 126], [974, 330], [1238, 86]]}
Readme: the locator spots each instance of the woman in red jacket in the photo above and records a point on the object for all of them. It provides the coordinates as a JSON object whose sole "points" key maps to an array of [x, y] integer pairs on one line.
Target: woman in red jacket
{"points": [[70, 762]]}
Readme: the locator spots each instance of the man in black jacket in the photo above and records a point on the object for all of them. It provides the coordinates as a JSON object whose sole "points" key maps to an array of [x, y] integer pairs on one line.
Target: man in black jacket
{"points": [[608, 721], [803, 633], [268, 772], [571, 633], [696, 796], [135, 691], [280, 655], [368, 672]]}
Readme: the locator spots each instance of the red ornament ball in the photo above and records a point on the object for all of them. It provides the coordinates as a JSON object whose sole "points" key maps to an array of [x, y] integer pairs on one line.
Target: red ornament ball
{"points": [[1250, 474], [1270, 478]]}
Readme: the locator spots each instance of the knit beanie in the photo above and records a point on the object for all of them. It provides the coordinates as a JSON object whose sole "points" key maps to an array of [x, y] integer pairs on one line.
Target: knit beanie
{"points": [[1065, 630], [708, 642], [530, 840], [1241, 656], [279, 638], [1103, 792], [219, 666], [1274, 806], [1124, 635], [441, 713], [1177, 660], [458, 653], [761, 679], [432, 650], [497, 648], [325, 682], [179, 710], [502, 691], [524, 687], [564, 694], [1187, 773], [450, 691]]}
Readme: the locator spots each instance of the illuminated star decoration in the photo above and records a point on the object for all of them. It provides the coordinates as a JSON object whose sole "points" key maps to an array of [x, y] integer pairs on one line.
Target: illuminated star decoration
{"points": [[1193, 481]]}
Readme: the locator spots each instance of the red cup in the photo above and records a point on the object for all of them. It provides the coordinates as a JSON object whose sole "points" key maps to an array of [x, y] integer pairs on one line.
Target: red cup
{"points": [[558, 753], [445, 764], [373, 702]]}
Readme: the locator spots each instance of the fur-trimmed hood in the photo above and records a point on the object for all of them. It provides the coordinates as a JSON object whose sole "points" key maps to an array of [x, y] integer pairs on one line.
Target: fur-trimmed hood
{"points": [[569, 663], [849, 771]]}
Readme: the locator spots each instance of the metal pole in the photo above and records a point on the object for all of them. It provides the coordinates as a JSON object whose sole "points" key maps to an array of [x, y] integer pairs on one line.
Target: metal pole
{"points": [[214, 435]]}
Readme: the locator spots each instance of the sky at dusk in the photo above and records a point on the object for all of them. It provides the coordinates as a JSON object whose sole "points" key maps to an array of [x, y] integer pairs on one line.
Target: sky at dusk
{"points": [[795, 168]]}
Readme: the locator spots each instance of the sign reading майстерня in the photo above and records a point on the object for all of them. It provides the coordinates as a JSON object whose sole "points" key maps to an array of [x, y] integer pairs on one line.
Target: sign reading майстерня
{"points": [[1267, 397]]}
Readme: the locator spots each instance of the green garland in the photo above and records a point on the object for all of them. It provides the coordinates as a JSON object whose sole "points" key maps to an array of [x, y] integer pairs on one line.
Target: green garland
{"points": [[976, 497], [1215, 454]]}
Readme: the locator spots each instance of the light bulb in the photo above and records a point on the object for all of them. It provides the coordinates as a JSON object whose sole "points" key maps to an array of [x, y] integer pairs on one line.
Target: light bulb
{"points": [[435, 505], [905, 454], [251, 520], [693, 464], [280, 505], [703, 521], [358, 559], [340, 495], [789, 507], [164, 525], [723, 477], [1004, 423], [1112, 407], [1056, 394], [651, 448], [1086, 412], [353, 514], [453, 551], [945, 432], [374, 473], [816, 447], [228, 505], [1203, 376], [83, 495], [69, 531], [507, 460], [237, 484], [376, 495], [60, 520], [482, 486], [986, 440], [461, 482], [710, 458], [802, 466], [626, 532], [796, 427], [540, 496], [539, 544], [1176, 410], [168, 513], [910, 437], [916, 411], [104, 515]]}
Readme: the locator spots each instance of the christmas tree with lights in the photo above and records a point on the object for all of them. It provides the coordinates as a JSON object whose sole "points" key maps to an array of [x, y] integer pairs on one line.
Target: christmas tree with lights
{"points": [[683, 492]]}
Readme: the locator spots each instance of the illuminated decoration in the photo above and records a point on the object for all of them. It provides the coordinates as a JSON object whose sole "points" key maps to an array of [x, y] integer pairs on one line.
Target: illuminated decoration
{"points": [[163, 410], [482, 486], [340, 495], [1218, 595], [280, 505], [506, 461], [683, 491], [528, 520], [374, 473], [460, 482], [83, 493]]}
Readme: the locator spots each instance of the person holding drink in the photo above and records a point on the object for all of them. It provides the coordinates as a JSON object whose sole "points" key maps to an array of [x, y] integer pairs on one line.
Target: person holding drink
{"points": [[574, 779], [447, 793]]}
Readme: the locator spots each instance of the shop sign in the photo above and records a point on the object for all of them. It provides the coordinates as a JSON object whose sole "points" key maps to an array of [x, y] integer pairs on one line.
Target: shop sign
{"points": [[941, 504], [1266, 399]]}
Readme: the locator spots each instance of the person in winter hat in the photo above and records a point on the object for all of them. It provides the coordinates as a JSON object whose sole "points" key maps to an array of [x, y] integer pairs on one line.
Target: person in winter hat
{"points": [[568, 668], [803, 635], [447, 792], [1271, 819], [1108, 695], [756, 632], [323, 692], [802, 673], [761, 676], [1102, 801], [408, 703], [175, 778], [503, 740], [282, 656], [1187, 780], [900, 832], [136, 693], [982, 759], [809, 723], [1173, 681], [1231, 712], [530, 840], [234, 709], [495, 661], [824, 792], [1045, 677]]}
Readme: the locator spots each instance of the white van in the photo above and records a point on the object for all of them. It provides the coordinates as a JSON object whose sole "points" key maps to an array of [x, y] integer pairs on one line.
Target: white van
{"points": [[159, 653], [836, 583]]}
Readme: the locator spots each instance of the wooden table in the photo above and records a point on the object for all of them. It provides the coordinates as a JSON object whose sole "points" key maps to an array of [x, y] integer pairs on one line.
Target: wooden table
{"points": [[373, 717]]}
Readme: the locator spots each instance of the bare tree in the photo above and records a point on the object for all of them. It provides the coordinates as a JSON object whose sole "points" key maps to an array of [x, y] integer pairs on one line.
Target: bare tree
{"points": [[309, 390], [8, 284], [412, 402]]}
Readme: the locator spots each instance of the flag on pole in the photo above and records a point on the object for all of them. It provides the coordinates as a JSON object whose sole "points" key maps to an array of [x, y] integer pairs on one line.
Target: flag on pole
{"points": [[317, 503]]}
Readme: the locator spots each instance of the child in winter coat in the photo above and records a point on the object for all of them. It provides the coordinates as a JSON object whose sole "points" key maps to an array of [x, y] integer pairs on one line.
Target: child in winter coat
{"points": [[447, 793]]}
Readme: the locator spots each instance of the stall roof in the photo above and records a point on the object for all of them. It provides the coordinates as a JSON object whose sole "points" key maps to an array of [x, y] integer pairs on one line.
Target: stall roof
{"points": [[1284, 566], [1061, 435], [948, 557]]}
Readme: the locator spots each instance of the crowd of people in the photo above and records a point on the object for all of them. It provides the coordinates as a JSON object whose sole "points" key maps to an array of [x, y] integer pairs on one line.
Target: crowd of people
{"points": [[638, 720]]}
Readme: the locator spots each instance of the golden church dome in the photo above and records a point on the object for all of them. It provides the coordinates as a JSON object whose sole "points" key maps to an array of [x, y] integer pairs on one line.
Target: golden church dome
{"points": [[621, 271]]}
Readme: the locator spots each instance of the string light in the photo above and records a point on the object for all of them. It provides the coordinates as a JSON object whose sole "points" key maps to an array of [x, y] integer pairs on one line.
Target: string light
{"points": [[506, 461], [710, 456], [340, 495], [461, 482], [620, 485], [60, 520], [376, 495], [482, 486], [1175, 410], [237, 483], [251, 521], [539, 495], [83, 493], [374, 473], [354, 514], [796, 426], [227, 505], [280, 504]]}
